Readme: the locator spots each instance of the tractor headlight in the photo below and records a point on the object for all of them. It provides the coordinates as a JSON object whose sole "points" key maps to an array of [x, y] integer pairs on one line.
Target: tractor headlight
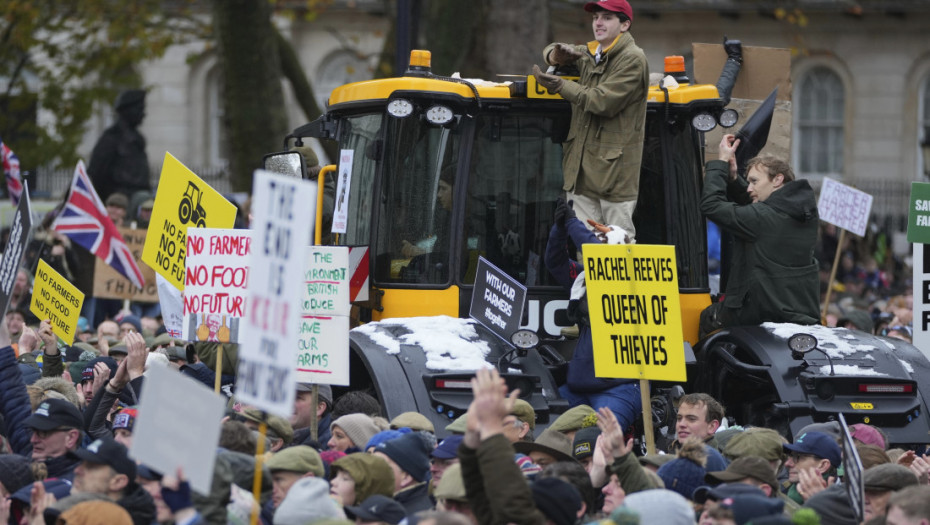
{"points": [[704, 122], [439, 115], [400, 108], [728, 118]]}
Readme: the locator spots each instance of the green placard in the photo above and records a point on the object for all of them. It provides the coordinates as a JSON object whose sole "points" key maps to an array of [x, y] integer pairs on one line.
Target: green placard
{"points": [[918, 215]]}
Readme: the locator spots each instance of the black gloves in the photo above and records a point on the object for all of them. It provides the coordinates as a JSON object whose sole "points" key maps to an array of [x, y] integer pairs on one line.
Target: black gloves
{"points": [[552, 83], [734, 49], [563, 212]]}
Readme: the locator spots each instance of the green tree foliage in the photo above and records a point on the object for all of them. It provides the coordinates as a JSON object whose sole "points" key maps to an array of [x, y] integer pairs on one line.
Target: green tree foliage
{"points": [[61, 59]]}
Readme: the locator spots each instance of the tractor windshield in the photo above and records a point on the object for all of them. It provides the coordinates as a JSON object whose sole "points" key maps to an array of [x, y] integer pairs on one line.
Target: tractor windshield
{"points": [[515, 177], [414, 220]]}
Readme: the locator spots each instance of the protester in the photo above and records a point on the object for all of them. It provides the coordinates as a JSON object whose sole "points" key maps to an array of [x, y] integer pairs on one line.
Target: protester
{"points": [[811, 450], [290, 465], [602, 157], [304, 413], [442, 457], [351, 432], [355, 477], [408, 457], [106, 469], [773, 219]]}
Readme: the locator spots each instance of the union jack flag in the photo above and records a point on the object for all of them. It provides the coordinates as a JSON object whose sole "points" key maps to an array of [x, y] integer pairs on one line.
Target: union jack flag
{"points": [[14, 181], [85, 221]]}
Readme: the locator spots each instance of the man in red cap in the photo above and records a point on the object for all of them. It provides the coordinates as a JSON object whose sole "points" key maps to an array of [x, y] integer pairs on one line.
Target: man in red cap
{"points": [[604, 149]]}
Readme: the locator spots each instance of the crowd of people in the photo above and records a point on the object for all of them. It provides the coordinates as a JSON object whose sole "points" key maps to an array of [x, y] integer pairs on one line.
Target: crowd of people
{"points": [[69, 415]]}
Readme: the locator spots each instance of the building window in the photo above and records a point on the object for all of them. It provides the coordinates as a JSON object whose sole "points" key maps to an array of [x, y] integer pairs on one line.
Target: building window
{"points": [[216, 127], [820, 111], [342, 67]]}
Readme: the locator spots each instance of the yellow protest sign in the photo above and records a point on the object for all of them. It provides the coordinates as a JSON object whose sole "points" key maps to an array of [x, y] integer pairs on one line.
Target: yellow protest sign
{"points": [[181, 201], [57, 300], [635, 312]]}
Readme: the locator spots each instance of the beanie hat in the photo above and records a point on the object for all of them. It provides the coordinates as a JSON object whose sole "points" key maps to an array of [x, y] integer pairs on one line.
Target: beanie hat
{"points": [[125, 418], [98, 511], [307, 501], [15, 472], [685, 473], [411, 454], [371, 473], [558, 500], [384, 436], [832, 505], [131, 319], [660, 506], [749, 508], [715, 460], [359, 428], [573, 419]]}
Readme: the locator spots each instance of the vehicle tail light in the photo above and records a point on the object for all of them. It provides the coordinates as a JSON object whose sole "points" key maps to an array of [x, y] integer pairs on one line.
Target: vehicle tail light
{"points": [[879, 388], [460, 384]]}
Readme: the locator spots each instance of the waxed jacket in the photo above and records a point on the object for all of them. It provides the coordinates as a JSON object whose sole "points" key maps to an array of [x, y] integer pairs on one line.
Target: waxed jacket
{"points": [[496, 489], [774, 275], [564, 270], [603, 151]]}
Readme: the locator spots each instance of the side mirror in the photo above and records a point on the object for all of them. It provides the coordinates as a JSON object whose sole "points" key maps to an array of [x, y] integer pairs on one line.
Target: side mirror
{"points": [[290, 163]]}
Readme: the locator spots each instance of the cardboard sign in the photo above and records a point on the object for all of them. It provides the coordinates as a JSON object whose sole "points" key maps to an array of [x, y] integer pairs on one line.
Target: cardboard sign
{"points": [[169, 298], [282, 217], [918, 215], [497, 300], [182, 201], [56, 299], [844, 206], [343, 185], [110, 284], [323, 347], [921, 290], [635, 311], [852, 468], [215, 283], [763, 69], [20, 236], [178, 426]]}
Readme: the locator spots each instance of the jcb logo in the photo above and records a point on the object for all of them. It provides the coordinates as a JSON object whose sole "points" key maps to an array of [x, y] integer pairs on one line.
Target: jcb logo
{"points": [[549, 312]]}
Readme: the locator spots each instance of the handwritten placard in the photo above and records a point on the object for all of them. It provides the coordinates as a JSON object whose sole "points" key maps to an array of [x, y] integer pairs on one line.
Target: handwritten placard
{"points": [[323, 347]]}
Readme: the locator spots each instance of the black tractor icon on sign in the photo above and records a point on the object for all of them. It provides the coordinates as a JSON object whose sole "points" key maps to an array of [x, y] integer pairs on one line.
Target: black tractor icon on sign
{"points": [[190, 209]]}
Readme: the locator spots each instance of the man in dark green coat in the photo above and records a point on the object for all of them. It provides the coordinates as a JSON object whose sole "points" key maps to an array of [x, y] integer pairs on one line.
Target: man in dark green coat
{"points": [[773, 219]]}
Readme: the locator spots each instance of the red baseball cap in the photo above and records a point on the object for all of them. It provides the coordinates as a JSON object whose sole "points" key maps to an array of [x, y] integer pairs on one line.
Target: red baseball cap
{"points": [[617, 6]]}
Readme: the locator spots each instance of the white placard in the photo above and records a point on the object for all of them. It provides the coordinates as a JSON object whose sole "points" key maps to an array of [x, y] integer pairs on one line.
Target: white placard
{"points": [[323, 348], [921, 287], [283, 209], [215, 283], [178, 426], [844, 206], [169, 297], [344, 184]]}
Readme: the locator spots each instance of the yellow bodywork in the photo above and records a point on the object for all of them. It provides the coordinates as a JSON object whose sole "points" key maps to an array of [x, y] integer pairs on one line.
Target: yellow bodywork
{"points": [[398, 302], [684, 93], [383, 88], [691, 306]]}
